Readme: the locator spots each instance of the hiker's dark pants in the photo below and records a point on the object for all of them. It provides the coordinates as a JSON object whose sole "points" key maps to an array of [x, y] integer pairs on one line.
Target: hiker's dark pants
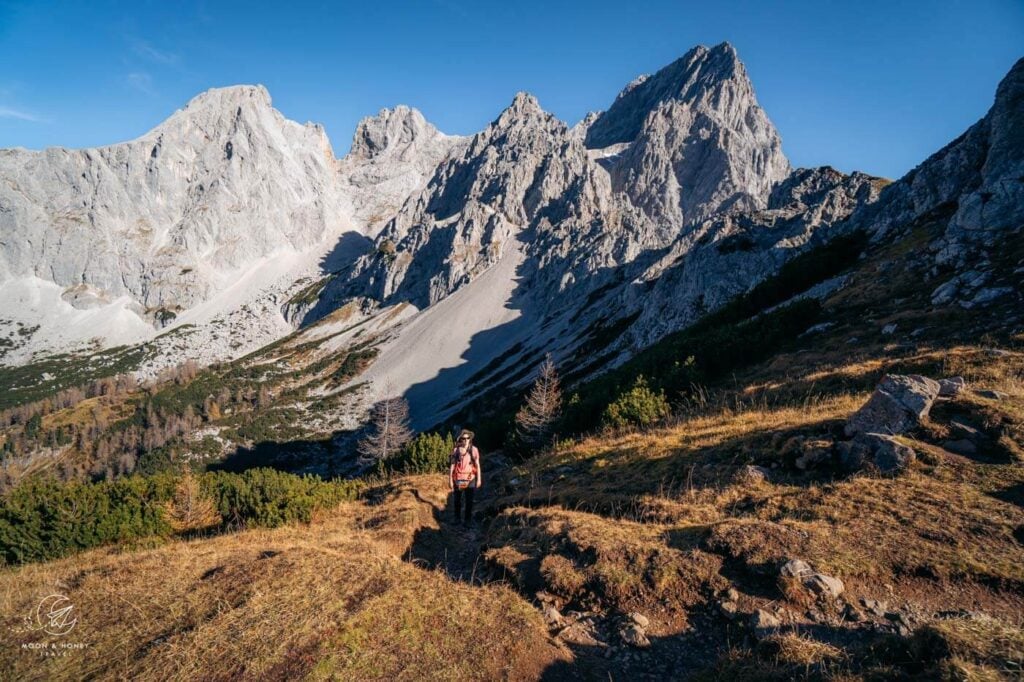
{"points": [[458, 495]]}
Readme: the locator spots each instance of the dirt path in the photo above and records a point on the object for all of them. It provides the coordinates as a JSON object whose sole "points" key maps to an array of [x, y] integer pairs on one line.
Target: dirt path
{"points": [[452, 547]]}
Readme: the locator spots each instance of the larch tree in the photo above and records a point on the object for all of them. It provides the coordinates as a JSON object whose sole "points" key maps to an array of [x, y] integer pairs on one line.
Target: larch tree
{"points": [[190, 508], [536, 418], [389, 430]]}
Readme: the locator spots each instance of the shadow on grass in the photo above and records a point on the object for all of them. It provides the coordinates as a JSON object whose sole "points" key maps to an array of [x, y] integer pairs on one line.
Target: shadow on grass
{"points": [[323, 457]]}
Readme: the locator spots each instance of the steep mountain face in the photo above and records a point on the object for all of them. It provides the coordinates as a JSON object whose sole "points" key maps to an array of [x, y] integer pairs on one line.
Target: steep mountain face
{"points": [[168, 218], [476, 202], [392, 155], [728, 254], [976, 185], [577, 227], [699, 143], [214, 221]]}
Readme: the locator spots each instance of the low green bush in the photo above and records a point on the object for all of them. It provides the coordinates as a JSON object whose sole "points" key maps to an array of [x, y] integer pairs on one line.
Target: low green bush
{"points": [[426, 453], [42, 518], [639, 406], [269, 498]]}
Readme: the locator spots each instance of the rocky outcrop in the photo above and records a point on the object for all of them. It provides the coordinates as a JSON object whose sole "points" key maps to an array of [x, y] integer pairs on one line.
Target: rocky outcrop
{"points": [[797, 573], [723, 257], [699, 143], [876, 452], [393, 154], [972, 185], [479, 198], [167, 218], [897, 405]]}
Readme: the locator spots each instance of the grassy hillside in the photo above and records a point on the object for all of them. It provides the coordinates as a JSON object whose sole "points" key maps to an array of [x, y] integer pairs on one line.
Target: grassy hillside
{"points": [[682, 525], [329, 600]]}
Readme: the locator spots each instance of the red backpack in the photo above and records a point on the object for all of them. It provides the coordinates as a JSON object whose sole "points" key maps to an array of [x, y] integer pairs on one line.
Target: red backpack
{"points": [[466, 466]]}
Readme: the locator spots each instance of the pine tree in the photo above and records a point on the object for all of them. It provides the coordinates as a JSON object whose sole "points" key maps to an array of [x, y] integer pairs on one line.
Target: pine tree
{"points": [[536, 418], [190, 509], [389, 430]]}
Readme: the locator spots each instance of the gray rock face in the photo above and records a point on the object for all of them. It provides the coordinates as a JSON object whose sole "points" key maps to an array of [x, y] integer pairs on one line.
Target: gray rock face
{"points": [[699, 142], [897, 405], [718, 259], [952, 386], [479, 198], [168, 217], [764, 623], [392, 156], [821, 585], [974, 180], [998, 203]]}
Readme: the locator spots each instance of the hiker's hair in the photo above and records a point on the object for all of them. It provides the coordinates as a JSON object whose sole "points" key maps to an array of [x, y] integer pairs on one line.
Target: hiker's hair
{"points": [[467, 433]]}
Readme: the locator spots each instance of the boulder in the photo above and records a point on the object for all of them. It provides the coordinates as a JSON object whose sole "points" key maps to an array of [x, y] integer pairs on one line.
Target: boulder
{"points": [[991, 395], [634, 636], [729, 609], [821, 585], [764, 622], [814, 457], [796, 569], [825, 586], [639, 619], [897, 405], [751, 475], [877, 451], [951, 386]]}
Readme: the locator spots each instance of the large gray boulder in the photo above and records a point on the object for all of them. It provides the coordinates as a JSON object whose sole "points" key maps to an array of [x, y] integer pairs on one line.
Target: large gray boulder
{"points": [[897, 405], [876, 452]]}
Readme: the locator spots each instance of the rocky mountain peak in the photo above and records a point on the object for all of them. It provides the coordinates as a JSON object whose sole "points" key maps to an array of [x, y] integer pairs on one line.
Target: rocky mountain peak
{"points": [[697, 140], [524, 109], [220, 105], [390, 130], [256, 95], [698, 77]]}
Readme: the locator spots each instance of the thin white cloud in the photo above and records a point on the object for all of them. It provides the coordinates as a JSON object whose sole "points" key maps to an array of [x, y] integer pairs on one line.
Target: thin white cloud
{"points": [[141, 81], [147, 51], [8, 112]]}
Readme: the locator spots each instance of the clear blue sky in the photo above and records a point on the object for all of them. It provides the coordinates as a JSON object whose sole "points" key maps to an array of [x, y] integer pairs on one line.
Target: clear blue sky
{"points": [[867, 85]]}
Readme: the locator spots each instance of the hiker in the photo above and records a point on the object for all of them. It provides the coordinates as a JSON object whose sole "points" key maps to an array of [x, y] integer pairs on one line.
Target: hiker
{"points": [[464, 474]]}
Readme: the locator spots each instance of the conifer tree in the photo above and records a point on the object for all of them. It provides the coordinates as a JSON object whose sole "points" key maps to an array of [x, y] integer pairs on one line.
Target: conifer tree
{"points": [[536, 418], [389, 430]]}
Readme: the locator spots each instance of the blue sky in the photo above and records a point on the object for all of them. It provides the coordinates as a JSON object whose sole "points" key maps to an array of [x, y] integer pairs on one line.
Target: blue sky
{"points": [[873, 86]]}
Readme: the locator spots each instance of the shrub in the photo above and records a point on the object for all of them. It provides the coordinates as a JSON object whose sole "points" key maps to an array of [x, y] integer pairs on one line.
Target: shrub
{"points": [[639, 406], [191, 509], [42, 518], [269, 498], [427, 453]]}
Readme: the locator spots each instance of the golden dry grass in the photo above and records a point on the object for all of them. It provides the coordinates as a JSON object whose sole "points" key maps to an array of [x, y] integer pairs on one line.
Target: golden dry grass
{"points": [[616, 509], [656, 521], [324, 601]]}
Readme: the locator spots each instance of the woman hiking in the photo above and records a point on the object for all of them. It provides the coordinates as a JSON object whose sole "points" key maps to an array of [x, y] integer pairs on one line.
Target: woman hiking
{"points": [[464, 475]]}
